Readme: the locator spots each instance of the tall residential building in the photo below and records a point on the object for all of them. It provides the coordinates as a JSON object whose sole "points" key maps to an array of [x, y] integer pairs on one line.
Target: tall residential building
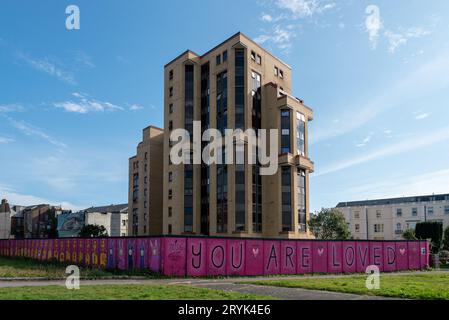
{"points": [[236, 85], [387, 219], [145, 185]]}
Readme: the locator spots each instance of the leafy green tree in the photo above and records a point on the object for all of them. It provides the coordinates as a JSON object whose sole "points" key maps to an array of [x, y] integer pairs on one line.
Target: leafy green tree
{"points": [[329, 224], [93, 231], [446, 239], [409, 234], [431, 230]]}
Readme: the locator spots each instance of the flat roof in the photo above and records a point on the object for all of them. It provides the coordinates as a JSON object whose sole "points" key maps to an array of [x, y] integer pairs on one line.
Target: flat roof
{"points": [[380, 202], [223, 42]]}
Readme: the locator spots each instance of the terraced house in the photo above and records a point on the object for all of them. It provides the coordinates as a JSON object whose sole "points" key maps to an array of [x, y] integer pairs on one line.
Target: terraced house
{"points": [[387, 219]]}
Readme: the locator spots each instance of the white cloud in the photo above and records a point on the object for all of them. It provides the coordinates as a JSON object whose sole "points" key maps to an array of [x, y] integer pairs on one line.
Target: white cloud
{"points": [[421, 81], [421, 116], [406, 145], [401, 186], [16, 198], [397, 39], [266, 18], [48, 67], [135, 107], [33, 131], [373, 24], [5, 140], [366, 140], [304, 8], [280, 37], [86, 104], [6, 108]]}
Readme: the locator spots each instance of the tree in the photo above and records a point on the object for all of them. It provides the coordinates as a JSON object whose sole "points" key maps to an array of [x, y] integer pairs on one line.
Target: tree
{"points": [[446, 239], [409, 234], [93, 231], [431, 230], [329, 224]]}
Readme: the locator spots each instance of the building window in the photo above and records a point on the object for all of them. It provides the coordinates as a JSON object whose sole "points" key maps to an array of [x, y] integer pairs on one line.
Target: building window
{"points": [[170, 194], [301, 134], [170, 211], [218, 60], [357, 227], [285, 131], [170, 92], [170, 125], [205, 119], [398, 227], [123, 223], [356, 214], [145, 192], [414, 212], [222, 196], [145, 180], [446, 209], [170, 75], [302, 217], [170, 108], [430, 210], [188, 198], [170, 176], [378, 214], [146, 155], [258, 59], [169, 229], [188, 99], [286, 199], [222, 101], [281, 74], [276, 71], [146, 167], [240, 216], [225, 56], [399, 212], [378, 228], [253, 55], [135, 187], [240, 89], [145, 205]]}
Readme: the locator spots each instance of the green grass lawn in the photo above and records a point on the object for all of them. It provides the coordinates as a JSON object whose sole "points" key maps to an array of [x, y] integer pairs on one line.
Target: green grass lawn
{"points": [[433, 286], [27, 268], [123, 292]]}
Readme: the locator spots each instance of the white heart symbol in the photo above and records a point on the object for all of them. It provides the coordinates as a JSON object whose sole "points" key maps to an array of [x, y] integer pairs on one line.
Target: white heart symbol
{"points": [[402, 251], [320, 251], [255, 252]]}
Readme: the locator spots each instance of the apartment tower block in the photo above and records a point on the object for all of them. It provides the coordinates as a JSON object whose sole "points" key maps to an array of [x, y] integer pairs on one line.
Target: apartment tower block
{"points": [[236, 85]]}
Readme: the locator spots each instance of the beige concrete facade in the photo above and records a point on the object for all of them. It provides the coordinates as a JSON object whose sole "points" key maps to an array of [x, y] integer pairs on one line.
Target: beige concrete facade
{"points": [[145, 185], [273, 79], [387, 219]]}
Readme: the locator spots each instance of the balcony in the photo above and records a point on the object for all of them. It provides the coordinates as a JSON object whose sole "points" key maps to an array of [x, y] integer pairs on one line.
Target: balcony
{"points": [[304, 163], [398, 232]]}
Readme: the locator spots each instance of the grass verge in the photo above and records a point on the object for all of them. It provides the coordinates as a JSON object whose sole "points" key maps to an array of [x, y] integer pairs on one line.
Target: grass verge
{"points": [[27, 268], [123, 292], [431, 286]]}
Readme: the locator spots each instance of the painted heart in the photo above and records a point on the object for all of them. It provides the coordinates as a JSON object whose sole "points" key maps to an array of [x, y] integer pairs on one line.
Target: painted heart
{"points": [[402, 251], [255, 252], [320, 251]]}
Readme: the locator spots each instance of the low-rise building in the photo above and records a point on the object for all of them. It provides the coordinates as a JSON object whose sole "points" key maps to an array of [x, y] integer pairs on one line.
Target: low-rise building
{"points": [[40, 221], [387, 219], [5, 220], [114, 218]]}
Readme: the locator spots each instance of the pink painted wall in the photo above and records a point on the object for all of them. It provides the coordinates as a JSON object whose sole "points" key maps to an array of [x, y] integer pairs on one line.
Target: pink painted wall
{"points": [[179, 256]]}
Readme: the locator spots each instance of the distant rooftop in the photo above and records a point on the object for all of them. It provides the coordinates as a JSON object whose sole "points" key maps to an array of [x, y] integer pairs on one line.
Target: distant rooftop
{"points": [[111, 208], [380, 202]]}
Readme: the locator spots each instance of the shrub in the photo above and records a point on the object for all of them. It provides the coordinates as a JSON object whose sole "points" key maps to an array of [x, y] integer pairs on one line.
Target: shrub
{"points": [[430, 230]]}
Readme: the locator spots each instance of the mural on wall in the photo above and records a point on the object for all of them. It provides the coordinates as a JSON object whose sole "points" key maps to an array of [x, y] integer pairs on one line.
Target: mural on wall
{"points": [[70, 224], [177, 256]]}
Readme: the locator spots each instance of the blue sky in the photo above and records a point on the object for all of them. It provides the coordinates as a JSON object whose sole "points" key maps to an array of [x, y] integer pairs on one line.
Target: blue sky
{"points": [[73, 103]]}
